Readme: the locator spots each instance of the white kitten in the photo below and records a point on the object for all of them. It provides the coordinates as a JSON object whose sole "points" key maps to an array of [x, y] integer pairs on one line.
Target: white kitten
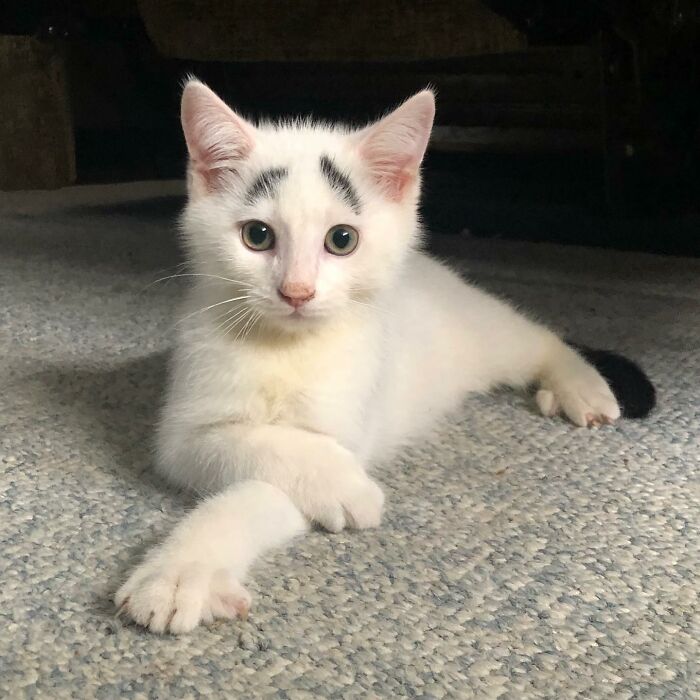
{"points": [[315, 340]]}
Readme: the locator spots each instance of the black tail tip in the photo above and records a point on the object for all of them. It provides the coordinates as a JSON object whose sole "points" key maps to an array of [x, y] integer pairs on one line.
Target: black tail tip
{"points": [[632, 387]]}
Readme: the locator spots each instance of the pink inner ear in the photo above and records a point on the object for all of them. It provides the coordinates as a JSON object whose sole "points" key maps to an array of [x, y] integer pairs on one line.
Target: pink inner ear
{"points": [[393, 173], [217, 138], [394, 147]]}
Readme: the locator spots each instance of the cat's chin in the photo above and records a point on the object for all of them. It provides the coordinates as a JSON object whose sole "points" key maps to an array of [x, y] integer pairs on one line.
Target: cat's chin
{"points": [[297, 321]]}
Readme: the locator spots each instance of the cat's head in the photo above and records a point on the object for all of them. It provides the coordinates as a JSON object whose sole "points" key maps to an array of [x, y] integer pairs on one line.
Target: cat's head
{"points": [[309, 220]]}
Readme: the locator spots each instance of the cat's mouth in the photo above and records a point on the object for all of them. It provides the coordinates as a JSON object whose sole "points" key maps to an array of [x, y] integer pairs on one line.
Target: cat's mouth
{"points": [[299, 316], [296, 313]]}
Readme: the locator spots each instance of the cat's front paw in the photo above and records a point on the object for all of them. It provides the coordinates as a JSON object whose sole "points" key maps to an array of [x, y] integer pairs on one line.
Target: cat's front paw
{"points": [[581, 394], [165, 595], [350, 500], [337, 493]]}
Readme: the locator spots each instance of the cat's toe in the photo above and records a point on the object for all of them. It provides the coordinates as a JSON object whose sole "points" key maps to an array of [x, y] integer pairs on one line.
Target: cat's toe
{"points": [[364, 509], [547, 402], [350, 500], [205, 597], [581, 394], [330, 515], [229, 599], [577, 390], [177, 599], [590, 409], [146, 600]]}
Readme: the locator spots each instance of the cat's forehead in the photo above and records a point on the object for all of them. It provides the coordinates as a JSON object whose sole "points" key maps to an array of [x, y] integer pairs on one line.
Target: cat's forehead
{"points": [[300, 143], [303, 169]]}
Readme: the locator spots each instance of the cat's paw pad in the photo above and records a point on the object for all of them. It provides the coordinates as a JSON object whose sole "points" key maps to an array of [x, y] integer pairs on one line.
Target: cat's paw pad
{"points": [[586, 401], [171, 597]]}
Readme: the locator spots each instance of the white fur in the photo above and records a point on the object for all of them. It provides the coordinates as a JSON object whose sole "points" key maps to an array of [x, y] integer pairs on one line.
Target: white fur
{"points": [[282, 413]]}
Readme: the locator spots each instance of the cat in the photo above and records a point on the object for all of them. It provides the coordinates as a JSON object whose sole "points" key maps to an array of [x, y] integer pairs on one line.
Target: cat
{"points": [[316, 339]]}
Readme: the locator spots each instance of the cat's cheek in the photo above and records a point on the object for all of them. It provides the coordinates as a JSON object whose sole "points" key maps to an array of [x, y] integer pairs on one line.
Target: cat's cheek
{"points": [[257, 270], [333, 288]]}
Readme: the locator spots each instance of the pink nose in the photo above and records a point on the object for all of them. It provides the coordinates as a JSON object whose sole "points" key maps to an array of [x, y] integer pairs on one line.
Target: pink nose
{"points": [[296, 295]]}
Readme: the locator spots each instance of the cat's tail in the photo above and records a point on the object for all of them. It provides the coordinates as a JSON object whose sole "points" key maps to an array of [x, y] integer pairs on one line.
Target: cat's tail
{"points": [[629, 383], [195, 574]]}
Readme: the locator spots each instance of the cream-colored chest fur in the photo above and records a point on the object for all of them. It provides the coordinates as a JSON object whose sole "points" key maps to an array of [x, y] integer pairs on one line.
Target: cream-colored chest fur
{"points": [[320, 382]]}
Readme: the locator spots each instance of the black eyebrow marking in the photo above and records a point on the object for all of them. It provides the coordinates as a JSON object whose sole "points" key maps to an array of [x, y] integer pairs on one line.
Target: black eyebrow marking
{"points": [[265, 184], [340, 182]]}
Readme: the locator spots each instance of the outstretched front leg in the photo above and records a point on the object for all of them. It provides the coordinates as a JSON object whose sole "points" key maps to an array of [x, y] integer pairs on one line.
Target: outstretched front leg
{"points": [[195, 574], [273, 479]]}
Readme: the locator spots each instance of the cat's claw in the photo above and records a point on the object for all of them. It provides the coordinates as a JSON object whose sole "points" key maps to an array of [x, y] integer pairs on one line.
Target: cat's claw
{"points": [[170, 597], [595, 421]]}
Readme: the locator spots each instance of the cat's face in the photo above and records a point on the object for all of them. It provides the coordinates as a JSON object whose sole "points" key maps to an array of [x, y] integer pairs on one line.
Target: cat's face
{"points": [[307, 221]]}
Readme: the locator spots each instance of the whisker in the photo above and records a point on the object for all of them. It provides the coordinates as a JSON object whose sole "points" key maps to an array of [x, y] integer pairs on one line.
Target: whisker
{"points": [[198, 274], [231, 323], [236, 321], [242, 332], [249, 328], [211, 306], [378, 309], [228, 313], [244, 325]]}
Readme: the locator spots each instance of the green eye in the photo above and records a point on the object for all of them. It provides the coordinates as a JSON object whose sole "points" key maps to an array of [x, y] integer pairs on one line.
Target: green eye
{"points": [[341, 240], [257, 235]]}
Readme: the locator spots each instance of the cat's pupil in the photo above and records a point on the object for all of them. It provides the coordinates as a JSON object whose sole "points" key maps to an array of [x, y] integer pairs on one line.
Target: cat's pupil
{"points": [[258, 234], [341, 238]]}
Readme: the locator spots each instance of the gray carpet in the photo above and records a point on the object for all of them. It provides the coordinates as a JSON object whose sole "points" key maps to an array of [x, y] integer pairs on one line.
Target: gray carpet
{"points": [[519, 558]]}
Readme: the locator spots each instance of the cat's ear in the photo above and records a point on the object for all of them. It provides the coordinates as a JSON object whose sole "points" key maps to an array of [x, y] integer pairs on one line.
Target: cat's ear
{"points": [[217, 138], [393, 147]]}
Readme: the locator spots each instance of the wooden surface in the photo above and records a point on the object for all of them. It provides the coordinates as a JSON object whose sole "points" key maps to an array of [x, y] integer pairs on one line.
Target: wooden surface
{"points": [[36, 138], [342, 30]]}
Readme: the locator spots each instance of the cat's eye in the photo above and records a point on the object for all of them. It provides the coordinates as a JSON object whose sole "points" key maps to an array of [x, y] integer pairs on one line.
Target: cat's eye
{"points": [[257, 235], [341, 240]]}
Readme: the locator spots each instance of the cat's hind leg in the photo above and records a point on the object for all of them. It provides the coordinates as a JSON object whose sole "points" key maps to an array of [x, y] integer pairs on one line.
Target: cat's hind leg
{"points": [[568, 384], [507, 348]]}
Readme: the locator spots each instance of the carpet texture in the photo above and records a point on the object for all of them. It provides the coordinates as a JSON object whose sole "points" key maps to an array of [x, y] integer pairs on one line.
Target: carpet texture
{"points": [[519, 557]]}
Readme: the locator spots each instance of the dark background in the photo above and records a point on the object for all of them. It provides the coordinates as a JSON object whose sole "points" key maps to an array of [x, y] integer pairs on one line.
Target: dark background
{"points": [[587, 133]]}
